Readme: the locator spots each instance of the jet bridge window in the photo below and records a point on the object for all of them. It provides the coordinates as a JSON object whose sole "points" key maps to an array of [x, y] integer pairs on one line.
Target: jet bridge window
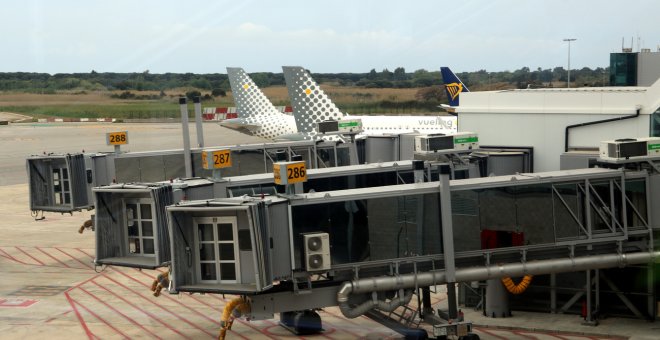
{"points": [[140, 227], [548, 213], [61, 187], [216, 239], [372, 229], [655, 123]]}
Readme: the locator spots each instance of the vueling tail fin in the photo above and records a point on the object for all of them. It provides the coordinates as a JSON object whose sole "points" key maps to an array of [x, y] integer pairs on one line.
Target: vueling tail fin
{"points": [[250, 100], [453, 85], [310, 104]]}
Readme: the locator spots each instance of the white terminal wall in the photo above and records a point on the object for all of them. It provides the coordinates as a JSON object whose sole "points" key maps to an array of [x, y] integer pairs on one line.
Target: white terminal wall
{"points": [[538, 118]]}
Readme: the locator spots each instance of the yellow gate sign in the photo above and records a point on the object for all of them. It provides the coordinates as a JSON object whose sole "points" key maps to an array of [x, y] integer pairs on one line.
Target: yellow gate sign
{"points": [[216, 159], [117, 138], [289, 172]]}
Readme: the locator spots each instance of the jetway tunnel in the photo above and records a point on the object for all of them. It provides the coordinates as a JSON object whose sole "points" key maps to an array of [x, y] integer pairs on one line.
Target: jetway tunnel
{"points": [[559, 221]]}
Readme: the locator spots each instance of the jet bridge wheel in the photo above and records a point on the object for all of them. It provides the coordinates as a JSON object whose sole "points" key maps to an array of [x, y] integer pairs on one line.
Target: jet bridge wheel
{"points": [[301, 322]]}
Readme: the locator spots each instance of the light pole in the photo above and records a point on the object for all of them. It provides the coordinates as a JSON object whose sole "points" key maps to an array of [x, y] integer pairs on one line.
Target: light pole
{"points": [[568, 81]]}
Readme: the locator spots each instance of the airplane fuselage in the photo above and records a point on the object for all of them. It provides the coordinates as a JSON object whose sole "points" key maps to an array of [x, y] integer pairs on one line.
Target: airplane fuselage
{"points": [[378, 125], [284, 126]]}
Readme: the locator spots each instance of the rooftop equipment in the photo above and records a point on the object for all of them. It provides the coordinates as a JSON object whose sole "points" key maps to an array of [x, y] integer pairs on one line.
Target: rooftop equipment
{"points": [[630, 149], [439, 143]]}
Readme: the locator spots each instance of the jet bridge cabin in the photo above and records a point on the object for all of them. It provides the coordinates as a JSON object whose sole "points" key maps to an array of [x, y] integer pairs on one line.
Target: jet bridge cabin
{"points": [[59, 183], [131, 225], [234, 245]]}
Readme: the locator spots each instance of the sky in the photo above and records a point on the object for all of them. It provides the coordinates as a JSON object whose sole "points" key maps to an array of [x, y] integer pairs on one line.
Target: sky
{"points": [[67, 36]]}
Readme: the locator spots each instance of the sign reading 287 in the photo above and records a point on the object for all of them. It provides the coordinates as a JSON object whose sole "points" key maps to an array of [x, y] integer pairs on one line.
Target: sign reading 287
{"points": [[216, 159], [117, 138]]}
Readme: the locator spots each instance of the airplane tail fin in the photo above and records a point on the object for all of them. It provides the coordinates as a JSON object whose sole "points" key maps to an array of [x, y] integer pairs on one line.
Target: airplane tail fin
{"points": [[250, 100], [310, 104], [453, 85]]}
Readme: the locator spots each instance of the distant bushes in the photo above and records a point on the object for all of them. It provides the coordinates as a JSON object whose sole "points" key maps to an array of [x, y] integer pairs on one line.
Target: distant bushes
{"points": [[131, 95]]}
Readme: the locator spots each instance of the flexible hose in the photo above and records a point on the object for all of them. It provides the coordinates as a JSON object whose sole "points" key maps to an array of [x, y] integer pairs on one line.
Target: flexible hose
{"points": [[234, 309], [517, 288]]}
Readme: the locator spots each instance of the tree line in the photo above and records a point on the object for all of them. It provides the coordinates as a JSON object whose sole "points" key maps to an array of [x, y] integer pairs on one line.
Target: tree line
{"points": [[218, 83]]}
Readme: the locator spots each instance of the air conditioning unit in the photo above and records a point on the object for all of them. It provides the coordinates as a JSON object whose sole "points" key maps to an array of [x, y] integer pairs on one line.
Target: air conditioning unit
{"points": [[317, 251], [459, 142], [630, 148]]}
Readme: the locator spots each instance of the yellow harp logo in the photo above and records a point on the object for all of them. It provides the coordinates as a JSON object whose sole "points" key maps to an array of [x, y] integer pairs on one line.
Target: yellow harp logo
{"points": [[454, 89]]}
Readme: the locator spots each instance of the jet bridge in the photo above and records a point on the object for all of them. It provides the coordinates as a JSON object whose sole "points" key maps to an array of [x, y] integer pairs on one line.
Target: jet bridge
{"points": [[59, 183], [63, 182], [130, 217], [342, 247], [130, 220], [154, 166]]}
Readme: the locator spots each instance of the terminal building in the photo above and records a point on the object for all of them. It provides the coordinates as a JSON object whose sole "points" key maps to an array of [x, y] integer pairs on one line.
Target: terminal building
{"points": [[629, 68], [557, 121]]}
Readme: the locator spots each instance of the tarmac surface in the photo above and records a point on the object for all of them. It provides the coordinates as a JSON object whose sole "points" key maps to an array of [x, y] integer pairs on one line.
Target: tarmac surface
{"points": [[50, 288]]}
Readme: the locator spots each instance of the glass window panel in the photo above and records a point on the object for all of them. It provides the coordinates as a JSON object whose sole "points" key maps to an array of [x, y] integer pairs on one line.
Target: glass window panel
{"points": [[134, 245], [147, 228], [56, 175], [133, 230], [145, 211], [244, 241], [207, 252], [67, 198], [225, 232], [65, 173], [131, 209], [227, 271], [149, 246], [205, 232], [226, 251], [208, 271]]}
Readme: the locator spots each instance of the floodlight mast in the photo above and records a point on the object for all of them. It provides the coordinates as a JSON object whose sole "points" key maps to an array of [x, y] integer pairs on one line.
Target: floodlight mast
{"points": [[568, 79]]}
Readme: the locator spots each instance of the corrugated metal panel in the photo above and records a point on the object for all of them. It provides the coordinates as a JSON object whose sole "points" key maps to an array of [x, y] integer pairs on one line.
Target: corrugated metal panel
{"points": [[108, 227], [78, 181], [162, 196], [39, 180]]}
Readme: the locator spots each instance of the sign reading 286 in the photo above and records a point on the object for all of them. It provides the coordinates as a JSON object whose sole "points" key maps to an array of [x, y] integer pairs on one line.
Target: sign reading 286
{"points": [[289, 172]]}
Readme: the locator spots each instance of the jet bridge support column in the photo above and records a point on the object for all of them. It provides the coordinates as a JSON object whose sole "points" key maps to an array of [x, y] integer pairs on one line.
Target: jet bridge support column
{"points": [[198, 121], [448, 240], [186, 136]]}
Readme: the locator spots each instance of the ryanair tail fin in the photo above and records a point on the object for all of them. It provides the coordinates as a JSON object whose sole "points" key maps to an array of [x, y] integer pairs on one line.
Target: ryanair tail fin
{"points": [[310, 104], [453, 85], [250, 100]]}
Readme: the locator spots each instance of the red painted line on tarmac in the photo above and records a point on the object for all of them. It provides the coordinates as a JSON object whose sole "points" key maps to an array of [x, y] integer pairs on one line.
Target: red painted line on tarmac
{"points": [[344, 319], [188, 307], [521, 333], [9, 257], [53, 257], [80, 318], [483, 330], [30, 256], [117, 311], [246, 323], [87, 265], [55, 317], [84, 252], [154, 303], [101, 319]]}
